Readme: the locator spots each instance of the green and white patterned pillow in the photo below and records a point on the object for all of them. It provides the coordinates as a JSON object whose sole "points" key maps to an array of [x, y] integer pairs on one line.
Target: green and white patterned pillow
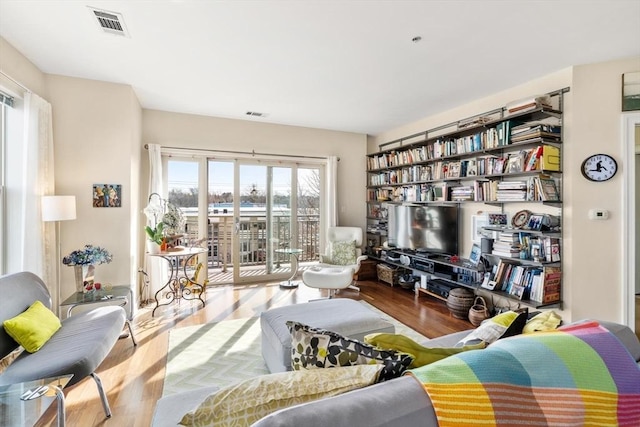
{"points": [[343, 253], [313, 348], [246, 402]]}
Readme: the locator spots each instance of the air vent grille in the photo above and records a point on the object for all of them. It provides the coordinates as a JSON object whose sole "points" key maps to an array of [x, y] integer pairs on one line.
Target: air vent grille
{"points": [[110, 22]]}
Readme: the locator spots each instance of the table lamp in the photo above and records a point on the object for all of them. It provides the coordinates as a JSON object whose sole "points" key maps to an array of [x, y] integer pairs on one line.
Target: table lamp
{"points": [[58, 208]]}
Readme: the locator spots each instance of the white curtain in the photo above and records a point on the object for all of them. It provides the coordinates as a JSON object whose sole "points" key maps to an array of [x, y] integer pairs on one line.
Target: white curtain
{"points": [[156, 267], [332, 192], [30, 176]]}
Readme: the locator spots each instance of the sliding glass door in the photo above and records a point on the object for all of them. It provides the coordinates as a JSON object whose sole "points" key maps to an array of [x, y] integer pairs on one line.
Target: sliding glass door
{"points": [[247, 212]]}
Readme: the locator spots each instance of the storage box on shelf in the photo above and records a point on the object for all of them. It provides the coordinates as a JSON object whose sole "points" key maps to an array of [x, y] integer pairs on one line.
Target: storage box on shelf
{"points": [[506, 156]]}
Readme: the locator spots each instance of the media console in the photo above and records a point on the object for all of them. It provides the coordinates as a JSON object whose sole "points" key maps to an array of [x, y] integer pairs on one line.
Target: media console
{"points": [[438, 273]]}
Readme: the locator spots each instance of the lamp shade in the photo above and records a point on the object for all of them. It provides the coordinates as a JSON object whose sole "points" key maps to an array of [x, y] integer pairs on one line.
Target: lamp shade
{"points": [[58, 208]]}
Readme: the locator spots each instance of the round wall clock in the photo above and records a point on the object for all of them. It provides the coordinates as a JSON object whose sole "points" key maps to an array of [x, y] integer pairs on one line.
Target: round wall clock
{"points": [[599, 167]]}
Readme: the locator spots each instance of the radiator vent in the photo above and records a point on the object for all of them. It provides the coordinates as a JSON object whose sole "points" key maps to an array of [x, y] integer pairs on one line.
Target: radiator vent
{"points": [[110, 22]]}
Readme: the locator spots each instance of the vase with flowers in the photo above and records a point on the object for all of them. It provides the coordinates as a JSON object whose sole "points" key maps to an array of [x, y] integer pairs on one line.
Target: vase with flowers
{"points": [[84, 261]]}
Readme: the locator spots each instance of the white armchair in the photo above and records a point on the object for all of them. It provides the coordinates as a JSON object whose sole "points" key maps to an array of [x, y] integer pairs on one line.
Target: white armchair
{"points": [[341, 260], [337, 236]]}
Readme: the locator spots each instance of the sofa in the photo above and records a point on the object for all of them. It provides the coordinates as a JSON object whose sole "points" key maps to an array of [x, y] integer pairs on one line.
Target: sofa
{"points": [[76, 346], [399, 402]]}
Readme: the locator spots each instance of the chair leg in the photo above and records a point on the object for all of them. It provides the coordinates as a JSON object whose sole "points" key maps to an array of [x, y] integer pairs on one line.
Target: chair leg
{"points": [[354, 286], [103, 396], [133, 338]]}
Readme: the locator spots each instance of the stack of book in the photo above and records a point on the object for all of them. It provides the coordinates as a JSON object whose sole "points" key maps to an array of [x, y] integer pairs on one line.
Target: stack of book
{"points": [[507, 245], [528, 104], [462, 193], [534, 130], [511, 191]]}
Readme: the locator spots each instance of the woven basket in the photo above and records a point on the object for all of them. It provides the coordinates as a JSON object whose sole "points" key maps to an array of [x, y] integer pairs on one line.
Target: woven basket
{"points": [[459, 302], [478, 311]]}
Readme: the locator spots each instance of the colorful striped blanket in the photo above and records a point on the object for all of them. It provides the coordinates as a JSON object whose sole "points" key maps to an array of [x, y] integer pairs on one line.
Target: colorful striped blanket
{"points": [[576, 376]]}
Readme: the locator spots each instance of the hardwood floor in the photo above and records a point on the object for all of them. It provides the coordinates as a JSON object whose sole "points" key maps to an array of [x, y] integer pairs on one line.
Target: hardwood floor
{"points": [[133, 376]]}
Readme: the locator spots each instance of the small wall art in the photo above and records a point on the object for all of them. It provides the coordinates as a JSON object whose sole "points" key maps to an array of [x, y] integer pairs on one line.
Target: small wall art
{"points": [[107, 195], [631, 91]]}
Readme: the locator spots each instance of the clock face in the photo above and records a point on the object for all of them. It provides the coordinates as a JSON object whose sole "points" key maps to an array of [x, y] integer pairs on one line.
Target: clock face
{"points": [[599, 167]]}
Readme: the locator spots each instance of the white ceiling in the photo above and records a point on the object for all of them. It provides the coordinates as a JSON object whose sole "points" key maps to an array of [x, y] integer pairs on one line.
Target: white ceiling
{"points": [[342, 65]]}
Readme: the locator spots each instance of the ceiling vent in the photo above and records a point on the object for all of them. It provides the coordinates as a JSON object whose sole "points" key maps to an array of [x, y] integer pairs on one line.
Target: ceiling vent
{"points": [[110, 22]]}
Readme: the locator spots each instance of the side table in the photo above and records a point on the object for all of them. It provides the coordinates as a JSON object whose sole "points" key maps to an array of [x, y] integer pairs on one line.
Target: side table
{"points": [[293, 255], [179, 286], [118, 294], [22, 404]]}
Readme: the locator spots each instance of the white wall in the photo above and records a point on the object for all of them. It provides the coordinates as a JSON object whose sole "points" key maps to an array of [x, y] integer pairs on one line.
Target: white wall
{"points": [[596, 255], [192, 131], [97, 138]]}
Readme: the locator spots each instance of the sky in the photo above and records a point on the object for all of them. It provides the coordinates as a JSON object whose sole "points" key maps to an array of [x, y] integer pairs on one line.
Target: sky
{"points": [[184, 175]]}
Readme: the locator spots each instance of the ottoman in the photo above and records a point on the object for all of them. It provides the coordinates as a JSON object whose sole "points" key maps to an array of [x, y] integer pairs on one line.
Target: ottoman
{"points": [[343, 316], [331, 278]]}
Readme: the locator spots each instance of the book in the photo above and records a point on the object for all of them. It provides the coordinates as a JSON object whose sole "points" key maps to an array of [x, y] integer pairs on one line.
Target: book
{"points": [[550, 158], [551, 281], [548, 190]]}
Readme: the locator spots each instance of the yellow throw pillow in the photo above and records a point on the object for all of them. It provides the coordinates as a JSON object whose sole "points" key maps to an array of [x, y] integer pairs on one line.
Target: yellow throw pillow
{"points": [[248, 401], [422, 355], [546, 321], [33, 327]]}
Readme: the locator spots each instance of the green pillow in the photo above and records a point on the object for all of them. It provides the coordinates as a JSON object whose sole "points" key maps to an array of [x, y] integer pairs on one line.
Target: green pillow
{"points": [[343, 253], [546, 321], [422, 355], [33, 327]]}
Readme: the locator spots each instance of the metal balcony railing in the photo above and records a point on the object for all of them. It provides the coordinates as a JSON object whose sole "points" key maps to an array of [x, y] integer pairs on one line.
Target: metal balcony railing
{"points": [[256, 244]]}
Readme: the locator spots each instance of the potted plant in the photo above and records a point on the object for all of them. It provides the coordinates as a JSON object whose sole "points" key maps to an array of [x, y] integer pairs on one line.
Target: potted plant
{"points": [[155, 237], [84, 261]]}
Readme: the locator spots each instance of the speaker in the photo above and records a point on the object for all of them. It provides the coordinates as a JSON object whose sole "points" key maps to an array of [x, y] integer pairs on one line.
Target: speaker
{"points": [[486, 245]]}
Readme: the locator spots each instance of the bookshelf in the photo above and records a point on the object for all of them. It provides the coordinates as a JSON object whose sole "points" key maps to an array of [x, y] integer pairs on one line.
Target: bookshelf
{"points": [[507, 157]]}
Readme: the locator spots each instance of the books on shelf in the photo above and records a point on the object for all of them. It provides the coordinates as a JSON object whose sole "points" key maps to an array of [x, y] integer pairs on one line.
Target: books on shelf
{"points": [[528, 104], [547, 188]]}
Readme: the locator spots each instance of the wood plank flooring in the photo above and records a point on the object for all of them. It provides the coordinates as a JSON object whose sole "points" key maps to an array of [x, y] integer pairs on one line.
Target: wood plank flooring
{"points": [[133, 376]]}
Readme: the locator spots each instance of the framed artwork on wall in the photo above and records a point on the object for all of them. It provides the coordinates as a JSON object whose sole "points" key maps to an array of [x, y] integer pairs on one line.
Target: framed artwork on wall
{"points": [[107, 195], [631, 91]]}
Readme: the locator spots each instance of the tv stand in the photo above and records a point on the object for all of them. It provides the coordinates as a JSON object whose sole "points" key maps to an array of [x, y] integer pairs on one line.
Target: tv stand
{"points": [[441, 272]]}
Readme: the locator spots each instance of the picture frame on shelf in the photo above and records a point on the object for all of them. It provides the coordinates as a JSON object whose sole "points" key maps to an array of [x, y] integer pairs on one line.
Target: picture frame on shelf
{"points": [[514, 164], [477, 224], [535, 222], [476, 253], [497, 219], [439, 192]]}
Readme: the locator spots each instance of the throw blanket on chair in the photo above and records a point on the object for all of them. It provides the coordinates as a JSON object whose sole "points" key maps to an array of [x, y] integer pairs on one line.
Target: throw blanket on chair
{"points": [[575, 376]]}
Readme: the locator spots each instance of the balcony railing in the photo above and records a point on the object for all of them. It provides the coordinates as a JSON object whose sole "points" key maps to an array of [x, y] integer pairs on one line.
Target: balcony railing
{"points": [[257, 243]]}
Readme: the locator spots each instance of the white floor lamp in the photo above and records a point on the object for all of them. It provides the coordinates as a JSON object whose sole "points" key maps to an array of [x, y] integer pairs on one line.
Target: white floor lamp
{"points": [[58, 208]]}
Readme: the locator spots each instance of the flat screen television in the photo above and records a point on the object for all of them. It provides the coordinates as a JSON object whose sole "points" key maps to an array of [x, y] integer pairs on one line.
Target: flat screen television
{"points": [[424, 228]]}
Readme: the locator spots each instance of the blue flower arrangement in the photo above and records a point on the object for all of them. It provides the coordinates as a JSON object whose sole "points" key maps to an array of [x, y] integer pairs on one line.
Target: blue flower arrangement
{"points": [[89, 255]]}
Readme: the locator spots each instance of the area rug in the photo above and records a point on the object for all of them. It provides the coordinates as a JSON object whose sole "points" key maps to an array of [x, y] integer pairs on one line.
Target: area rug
{"points": [[223, 353]]}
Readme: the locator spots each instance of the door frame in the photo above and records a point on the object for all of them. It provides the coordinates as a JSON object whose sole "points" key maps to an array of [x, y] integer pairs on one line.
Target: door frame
{"points": [[629, 123]]}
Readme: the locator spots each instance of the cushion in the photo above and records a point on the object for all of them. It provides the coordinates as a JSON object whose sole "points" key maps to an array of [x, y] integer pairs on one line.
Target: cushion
{"points": [[343, 253], [9, 358], [545, 321], [248, 401], [501, 326], [421, 355], [33, 327], [313, 348]]}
